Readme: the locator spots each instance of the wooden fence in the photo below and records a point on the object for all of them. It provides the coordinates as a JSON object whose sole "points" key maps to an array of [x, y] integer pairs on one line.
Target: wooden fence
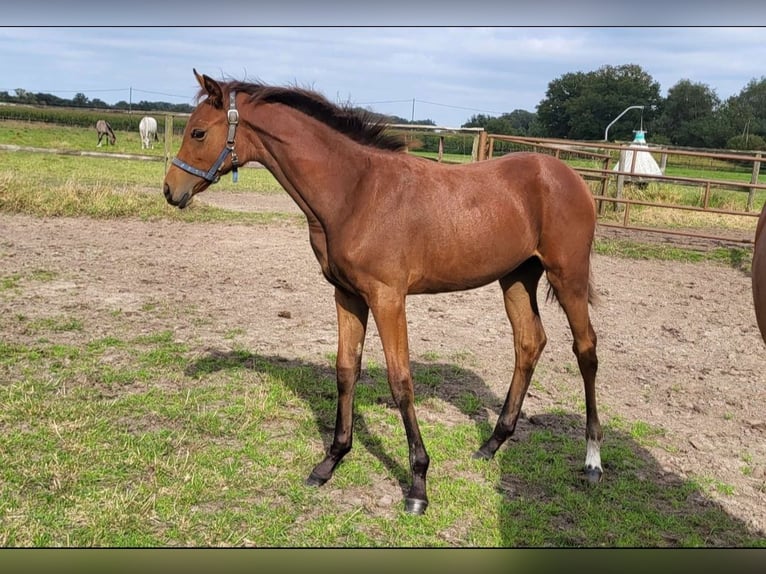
{"points": [[599, 164]]}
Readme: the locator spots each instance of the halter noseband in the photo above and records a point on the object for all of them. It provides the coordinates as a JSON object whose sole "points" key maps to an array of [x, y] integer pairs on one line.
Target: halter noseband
{"points": [[212, 175]]}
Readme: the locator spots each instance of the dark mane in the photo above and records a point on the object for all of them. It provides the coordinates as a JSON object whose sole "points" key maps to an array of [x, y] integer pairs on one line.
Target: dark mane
{"points": [[360, 125]]}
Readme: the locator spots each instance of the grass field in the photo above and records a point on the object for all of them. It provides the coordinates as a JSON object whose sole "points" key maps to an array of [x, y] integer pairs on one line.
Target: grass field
{"points": [[129, 441], [199, 456]]}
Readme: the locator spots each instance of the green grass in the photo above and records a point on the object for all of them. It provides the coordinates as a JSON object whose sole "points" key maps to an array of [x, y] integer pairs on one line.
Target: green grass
{"points": [[67, 186], [161, 446], [70, 138], [735, 257]]}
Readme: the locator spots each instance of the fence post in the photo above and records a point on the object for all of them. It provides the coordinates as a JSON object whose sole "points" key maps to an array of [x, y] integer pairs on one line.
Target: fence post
{"points": [[754, 180], [620, 180], [168, 139], [482, 147], [604, 184]]}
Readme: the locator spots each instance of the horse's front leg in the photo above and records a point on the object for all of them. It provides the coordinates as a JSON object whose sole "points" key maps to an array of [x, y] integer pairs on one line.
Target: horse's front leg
{"points": [[352, 326], [388, 308]]}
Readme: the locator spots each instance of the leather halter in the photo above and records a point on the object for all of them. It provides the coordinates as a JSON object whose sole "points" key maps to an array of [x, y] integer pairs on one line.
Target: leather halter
{"points": [[212, 175]]}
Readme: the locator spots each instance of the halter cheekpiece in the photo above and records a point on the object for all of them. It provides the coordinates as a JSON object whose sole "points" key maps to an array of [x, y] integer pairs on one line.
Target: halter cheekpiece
{"points": [[212, 175]]}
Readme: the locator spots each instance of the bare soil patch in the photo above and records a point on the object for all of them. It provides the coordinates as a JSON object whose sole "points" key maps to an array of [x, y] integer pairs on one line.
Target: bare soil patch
{"points": [[678, 344]]}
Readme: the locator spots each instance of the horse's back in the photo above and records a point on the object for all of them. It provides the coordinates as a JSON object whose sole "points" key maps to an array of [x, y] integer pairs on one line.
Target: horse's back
{"points": [[759, 273], [550, 194], [147, 125], [523, 193]]}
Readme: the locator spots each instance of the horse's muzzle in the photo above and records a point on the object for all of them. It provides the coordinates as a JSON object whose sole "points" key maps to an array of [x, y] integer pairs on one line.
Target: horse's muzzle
{"points": [[180, 203]]}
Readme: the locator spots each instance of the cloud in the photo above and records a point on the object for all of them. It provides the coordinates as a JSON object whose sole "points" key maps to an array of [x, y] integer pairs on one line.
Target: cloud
{"points": [[462, 69]]}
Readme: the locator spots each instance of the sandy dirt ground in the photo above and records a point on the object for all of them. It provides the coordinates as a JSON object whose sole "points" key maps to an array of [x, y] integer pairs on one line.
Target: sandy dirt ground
{"points": [[679, 347]]}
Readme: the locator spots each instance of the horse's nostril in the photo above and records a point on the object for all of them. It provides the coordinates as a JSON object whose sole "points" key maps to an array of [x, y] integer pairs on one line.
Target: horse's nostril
{"points": [[166, 191]]}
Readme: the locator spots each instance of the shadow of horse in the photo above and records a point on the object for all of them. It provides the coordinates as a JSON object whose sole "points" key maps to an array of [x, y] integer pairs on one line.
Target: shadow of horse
{"points": [[455, 383], [637, 501], [538, 483]]}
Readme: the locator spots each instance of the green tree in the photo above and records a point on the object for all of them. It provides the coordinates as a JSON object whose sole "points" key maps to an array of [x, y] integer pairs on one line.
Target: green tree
{"points": [[50, 100], [25, 97], [522, 121], [477, 121], [745, 113], [552, 112], [581, 105], [80, 100], [689, 116], [517, 122], [748, 142]]}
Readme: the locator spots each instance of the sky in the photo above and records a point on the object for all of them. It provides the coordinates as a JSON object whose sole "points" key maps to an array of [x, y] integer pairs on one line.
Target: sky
{"points": [[445, 72]]}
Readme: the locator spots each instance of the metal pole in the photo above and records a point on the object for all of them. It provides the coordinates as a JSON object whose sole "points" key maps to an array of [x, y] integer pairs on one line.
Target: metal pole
{"points": [[606, 131]]}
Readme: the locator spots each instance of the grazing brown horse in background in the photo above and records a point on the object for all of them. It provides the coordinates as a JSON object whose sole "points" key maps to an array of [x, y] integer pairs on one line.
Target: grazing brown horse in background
{"points": [[384, 224], [104, 130], [759, 273]]}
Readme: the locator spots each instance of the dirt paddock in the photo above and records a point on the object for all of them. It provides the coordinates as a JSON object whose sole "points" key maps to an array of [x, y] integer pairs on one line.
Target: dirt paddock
{"points": [[679, 347]]}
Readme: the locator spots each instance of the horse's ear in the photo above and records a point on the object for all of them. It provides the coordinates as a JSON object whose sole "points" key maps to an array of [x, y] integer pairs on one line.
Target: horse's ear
{"points": [[213, 89]]}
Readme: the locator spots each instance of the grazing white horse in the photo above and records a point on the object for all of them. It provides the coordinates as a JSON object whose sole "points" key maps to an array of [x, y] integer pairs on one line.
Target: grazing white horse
{"points": [[148, 130]]}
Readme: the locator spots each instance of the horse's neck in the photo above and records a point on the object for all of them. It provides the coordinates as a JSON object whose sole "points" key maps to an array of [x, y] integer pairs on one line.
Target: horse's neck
{"points": [[315, 165]]}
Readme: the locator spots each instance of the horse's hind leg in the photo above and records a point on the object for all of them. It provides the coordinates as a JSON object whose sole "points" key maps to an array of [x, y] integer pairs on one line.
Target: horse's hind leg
{"points": [[352, 326], [572, 290], [520, 297]]}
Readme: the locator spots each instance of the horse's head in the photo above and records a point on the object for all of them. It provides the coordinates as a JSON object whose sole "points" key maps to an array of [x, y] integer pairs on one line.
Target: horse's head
{"points": [[207, 149]]}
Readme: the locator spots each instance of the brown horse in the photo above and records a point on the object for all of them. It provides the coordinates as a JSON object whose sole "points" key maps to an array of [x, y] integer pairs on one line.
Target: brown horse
{"points": [[384, 224], [104, 130], [759, 273]]}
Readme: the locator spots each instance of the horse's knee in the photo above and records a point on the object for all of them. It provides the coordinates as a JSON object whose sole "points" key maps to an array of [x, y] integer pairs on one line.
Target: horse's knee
{"points": [[346, 376]]}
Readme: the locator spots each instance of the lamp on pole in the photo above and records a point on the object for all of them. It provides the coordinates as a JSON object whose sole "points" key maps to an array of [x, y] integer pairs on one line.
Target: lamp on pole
{"points": [[606, 131]]}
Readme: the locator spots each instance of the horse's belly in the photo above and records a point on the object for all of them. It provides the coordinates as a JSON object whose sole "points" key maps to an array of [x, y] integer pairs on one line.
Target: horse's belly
{"points": [[465, 272]]}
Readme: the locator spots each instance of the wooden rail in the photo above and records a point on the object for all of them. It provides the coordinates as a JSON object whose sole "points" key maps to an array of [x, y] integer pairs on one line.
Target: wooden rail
{"points": [[594, 151]]}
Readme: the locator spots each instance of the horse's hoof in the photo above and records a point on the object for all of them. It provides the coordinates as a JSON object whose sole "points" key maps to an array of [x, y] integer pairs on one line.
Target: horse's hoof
{"points": [[593, 475], [415, 506], [482, 455], [315, 480]]}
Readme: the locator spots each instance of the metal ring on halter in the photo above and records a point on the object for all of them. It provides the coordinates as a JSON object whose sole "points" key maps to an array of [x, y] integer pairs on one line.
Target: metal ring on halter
{"points": [[211, 175]]}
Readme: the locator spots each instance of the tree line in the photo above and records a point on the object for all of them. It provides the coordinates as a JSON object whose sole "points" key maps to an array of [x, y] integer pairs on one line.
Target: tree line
{"points": [[80, 100], [578, 106]]}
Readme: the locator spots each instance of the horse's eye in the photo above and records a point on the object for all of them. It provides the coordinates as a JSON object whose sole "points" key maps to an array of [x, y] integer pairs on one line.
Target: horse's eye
{"points": [[198, 134]]}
